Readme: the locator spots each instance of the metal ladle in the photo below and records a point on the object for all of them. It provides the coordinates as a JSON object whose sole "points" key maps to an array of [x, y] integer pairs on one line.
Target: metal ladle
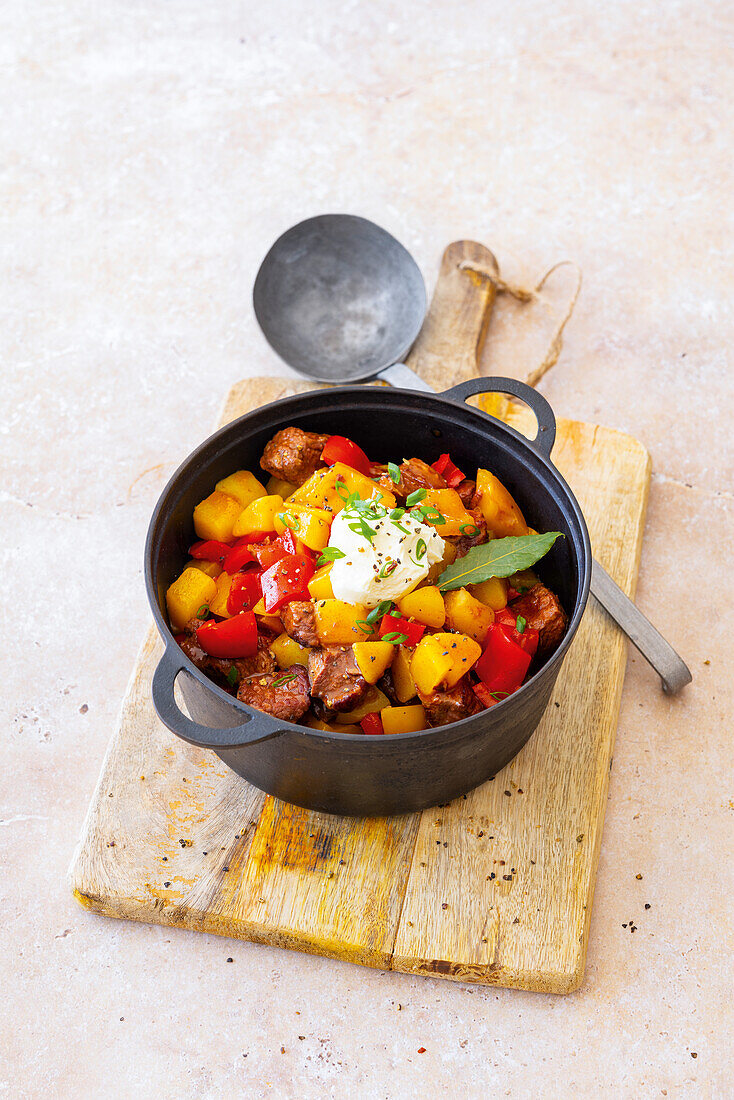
{"points": [[381, 296]]}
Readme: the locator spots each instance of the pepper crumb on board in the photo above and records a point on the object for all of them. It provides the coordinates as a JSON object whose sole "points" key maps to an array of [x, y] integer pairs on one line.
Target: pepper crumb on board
{"points": [[83, 708], [638, 876], [166, 884], [693, 1052], [421, 1050], [481, 832], [508, 793], [647, 904], [444, 905], [230, 959]]}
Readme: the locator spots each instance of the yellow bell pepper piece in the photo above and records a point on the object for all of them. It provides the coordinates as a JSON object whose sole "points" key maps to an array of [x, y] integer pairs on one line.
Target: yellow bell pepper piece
{"points": [[467, 615], [288, 652], [449, 504], [243, 486], [258, 516], [216, 516], [277, 487], [499, 508], [440, 660], [211, 568], [188, 593], [272, 622], [493, 592], [373, 658], [373, 702], [336, 622], [312, 526], [319, 586], [425, 605], [218, 606], [403, 719], [402, 677], [320, 489]]}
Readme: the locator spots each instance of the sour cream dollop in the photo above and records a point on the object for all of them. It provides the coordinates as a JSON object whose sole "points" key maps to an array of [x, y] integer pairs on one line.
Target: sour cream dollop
{"points": [[384, 557]]}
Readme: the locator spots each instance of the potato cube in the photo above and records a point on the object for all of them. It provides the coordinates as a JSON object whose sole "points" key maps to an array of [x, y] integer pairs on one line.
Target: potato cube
{"points": [[402, 677], [373, 702], [492, 592], [216, 516], [320, 584], [425, 605], [336, 622], [467, 615], [287, 651], [403, 719], [283, 489], [211, 568], [320, 490], [440, 660], [243, 486], [312, 526], [191, 592], [373, 658], [218, 606], [258, 516]]}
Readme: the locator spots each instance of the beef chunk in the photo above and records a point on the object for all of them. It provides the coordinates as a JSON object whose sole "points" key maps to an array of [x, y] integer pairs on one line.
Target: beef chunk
{"points": [[467, 490], [285, 695], [335, 677], [542, 611], [293, 455], [220, 668], [464, 543], [417, 474], [443, 707], [299, 621]]}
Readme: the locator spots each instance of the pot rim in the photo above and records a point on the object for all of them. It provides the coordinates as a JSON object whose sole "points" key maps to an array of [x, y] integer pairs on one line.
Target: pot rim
{"points": [[366, 391]]}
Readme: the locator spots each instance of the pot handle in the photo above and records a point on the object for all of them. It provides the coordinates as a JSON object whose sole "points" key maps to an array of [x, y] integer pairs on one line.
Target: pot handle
{"points": [[546, 436], [255, 727]]}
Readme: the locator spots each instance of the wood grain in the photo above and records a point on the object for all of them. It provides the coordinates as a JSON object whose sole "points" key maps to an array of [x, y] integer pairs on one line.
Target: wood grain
{"points": [[493, 888]]}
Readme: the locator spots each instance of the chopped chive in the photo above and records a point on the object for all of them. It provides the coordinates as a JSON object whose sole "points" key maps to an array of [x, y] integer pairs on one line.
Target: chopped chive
{"points": [[395, 638], [394, 472], [233, 677], [364, 625], [290, 521], [498, 695], [289, 676], [416, 497], [520, 624], [203, 612], [469, 529], [377, 612], [421, 549], [330, 553]]}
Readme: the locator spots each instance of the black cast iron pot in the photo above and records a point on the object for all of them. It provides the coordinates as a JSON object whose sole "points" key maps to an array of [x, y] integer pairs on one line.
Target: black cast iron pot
{"points": [[339, 772]]}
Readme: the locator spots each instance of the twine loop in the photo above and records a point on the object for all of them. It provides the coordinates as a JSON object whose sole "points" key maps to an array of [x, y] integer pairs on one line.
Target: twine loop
{"points": [[533, 294]]}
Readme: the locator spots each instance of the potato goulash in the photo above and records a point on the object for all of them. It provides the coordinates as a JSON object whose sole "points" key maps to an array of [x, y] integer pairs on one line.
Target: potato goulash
{"points": [[363, 598]]}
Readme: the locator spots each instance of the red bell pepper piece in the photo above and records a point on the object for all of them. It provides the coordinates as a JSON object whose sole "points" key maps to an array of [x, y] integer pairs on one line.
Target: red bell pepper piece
{"points": [[286, 580], [178, 638], [527, 638], [340, 449], [293, 545], [233, 638], [372, 723], [238, 557], [209, 550], [512, 593], [503, 664], [267, 553], [244, 592], [451, 474], [397, 624]]}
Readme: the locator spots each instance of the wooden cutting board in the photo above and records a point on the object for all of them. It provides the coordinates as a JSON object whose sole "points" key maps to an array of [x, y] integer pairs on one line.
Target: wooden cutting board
{"points": [[495, 887]]}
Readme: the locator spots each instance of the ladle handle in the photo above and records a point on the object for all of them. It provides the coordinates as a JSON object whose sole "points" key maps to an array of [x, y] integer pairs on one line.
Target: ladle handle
{"points": [[403, 378]]}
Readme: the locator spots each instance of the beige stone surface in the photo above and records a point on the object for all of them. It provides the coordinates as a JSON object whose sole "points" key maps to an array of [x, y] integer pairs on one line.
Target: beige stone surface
{"points": [[150, 154]]}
